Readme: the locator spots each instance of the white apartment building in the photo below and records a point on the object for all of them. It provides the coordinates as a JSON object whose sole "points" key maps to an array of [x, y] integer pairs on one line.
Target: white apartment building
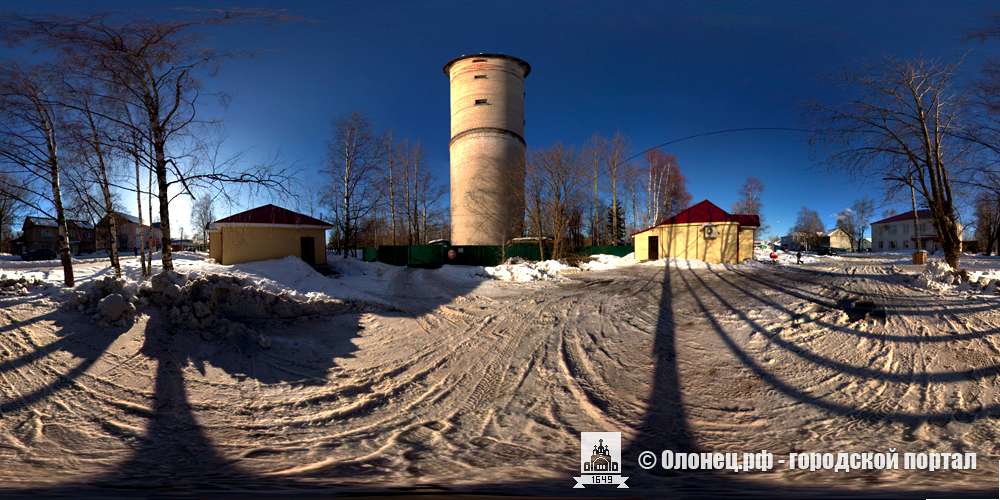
{"points": [[898, 233]]}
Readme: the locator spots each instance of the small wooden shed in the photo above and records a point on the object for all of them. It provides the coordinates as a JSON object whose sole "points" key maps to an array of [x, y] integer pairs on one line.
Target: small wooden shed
{"points": [[703, 232], [267, 232]]}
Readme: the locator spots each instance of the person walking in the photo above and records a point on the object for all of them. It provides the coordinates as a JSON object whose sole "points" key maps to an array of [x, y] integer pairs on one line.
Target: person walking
{"points": [[798, 257]]}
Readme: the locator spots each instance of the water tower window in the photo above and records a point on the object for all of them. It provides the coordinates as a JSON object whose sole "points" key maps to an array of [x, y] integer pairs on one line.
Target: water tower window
{"points": [[479, 60], [477, 77], [481, 102]]}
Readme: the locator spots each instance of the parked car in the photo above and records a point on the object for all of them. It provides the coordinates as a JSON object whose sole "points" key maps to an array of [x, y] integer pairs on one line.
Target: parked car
{"points": [[826, 251], [39, 254]]}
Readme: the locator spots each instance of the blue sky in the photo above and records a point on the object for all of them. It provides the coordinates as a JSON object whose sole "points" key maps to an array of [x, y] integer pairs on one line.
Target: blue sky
{"points": [[657, 71]]}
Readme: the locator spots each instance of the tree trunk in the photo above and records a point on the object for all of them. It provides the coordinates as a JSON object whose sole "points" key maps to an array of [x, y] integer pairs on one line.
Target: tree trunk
{"points": [[64, 250], [138, 204]]}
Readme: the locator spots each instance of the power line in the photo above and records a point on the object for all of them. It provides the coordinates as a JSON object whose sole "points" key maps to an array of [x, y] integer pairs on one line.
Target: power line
{"points": [[713, 133]]}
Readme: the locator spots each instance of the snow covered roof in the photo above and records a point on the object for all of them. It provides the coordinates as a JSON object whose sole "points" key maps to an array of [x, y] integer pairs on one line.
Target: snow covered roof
{"points": [[41, 221], [270, 215], [707, 212], [921, 214], [830, 232], [46, 222]]}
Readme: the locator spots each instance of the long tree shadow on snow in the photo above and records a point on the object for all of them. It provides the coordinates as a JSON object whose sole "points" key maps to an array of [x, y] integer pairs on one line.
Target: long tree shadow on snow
{"points": [[175, 456]]}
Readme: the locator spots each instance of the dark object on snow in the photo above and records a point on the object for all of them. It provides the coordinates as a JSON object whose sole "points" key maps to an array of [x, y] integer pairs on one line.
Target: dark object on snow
{"points": [[798, 257], [826, 251], [39, 254]]}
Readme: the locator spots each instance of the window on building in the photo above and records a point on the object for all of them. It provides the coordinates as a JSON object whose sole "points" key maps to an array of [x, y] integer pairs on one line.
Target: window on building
{"points": [[479, 60], [906, 244], [892, 229], [880, 231], [479, 77], [906, 228], [880, 244], [481, 102], [46, 233]]}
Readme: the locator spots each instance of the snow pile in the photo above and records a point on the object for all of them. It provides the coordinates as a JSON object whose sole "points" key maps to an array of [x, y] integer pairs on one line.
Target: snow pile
{"points": [[214, 305], [109, 300], [16, 284], [938, 275], [604, 262], [231, 306], [518, 269]]}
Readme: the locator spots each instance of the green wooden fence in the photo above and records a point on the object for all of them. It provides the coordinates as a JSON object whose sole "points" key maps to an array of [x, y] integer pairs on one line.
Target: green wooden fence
{"points": [[434, 256]]}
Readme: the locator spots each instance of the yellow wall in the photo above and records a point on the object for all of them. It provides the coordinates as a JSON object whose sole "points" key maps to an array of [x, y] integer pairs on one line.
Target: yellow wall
{"points": [[746, 243], [687, 241], [249, 244], [215, 246]]}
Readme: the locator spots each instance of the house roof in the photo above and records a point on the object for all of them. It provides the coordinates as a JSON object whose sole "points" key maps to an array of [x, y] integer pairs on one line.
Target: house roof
{"points": [[706, 212], [270, 215], [830, 232], [921, 214], [46, 222]]}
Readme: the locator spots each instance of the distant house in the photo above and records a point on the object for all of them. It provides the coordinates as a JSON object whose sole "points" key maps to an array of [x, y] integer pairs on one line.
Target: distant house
{"points": [[267, 232], [131, 235], [836, 238], [703, 232], [898, 233], [42, 232]]}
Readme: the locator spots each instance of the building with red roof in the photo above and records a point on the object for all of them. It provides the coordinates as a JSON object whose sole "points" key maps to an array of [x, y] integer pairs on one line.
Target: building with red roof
{"points": [[267, 232], [899, 232], [703, 232]]}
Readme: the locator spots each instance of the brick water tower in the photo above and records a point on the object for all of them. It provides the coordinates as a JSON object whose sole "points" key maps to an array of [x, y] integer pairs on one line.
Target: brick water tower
{"points": [[487, 148]]}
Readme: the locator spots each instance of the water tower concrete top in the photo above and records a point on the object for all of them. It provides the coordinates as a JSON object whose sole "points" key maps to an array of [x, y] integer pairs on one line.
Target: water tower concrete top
{"points": [[524, 65]]}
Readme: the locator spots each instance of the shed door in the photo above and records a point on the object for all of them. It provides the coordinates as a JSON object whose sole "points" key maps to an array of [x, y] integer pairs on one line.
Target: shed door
{"points": [[654, 247], [309, 250]]}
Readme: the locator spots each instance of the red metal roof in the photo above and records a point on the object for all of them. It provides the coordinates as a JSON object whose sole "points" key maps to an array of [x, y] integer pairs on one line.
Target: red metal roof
{"points": [[921, 214], [270, 214], [706, 212]]}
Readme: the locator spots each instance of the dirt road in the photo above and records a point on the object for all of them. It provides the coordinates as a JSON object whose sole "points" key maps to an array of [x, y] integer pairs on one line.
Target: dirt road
{"points": [[486, 389]]}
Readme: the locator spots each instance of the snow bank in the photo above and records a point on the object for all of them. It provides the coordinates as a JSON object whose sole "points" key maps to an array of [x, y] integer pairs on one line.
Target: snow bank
{"points": [[602, 262], [518, 269], [938, 275]]}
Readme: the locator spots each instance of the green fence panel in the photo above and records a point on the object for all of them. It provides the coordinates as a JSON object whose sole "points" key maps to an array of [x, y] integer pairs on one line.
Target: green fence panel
{"points": [[369, 254], [425, 256]]}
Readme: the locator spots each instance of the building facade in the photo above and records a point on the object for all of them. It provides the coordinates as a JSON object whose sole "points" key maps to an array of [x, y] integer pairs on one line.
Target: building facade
{"points": [[899, 233], [268, 232], [487, 148], [42, 232], [131, 235], [703, 232]]}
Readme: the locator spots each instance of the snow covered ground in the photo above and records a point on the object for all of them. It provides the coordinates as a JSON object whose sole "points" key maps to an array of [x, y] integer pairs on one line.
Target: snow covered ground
{"points": [[271, 377]]}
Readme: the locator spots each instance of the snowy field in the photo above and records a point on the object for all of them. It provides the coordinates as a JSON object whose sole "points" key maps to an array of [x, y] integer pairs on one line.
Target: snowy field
{"points": [[270, 377]]}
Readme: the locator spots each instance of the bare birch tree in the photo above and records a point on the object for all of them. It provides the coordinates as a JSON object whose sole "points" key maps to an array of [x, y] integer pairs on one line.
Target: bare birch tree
{"points": [[151, 69], [352, 160], [897, 121], [31, 133], [750, 202]]}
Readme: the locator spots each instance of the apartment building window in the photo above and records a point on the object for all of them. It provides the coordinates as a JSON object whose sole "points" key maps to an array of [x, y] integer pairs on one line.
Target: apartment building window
{"points": [[880, 244], [892, 244], [892, 229], [906, 228], [46, 233]]}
